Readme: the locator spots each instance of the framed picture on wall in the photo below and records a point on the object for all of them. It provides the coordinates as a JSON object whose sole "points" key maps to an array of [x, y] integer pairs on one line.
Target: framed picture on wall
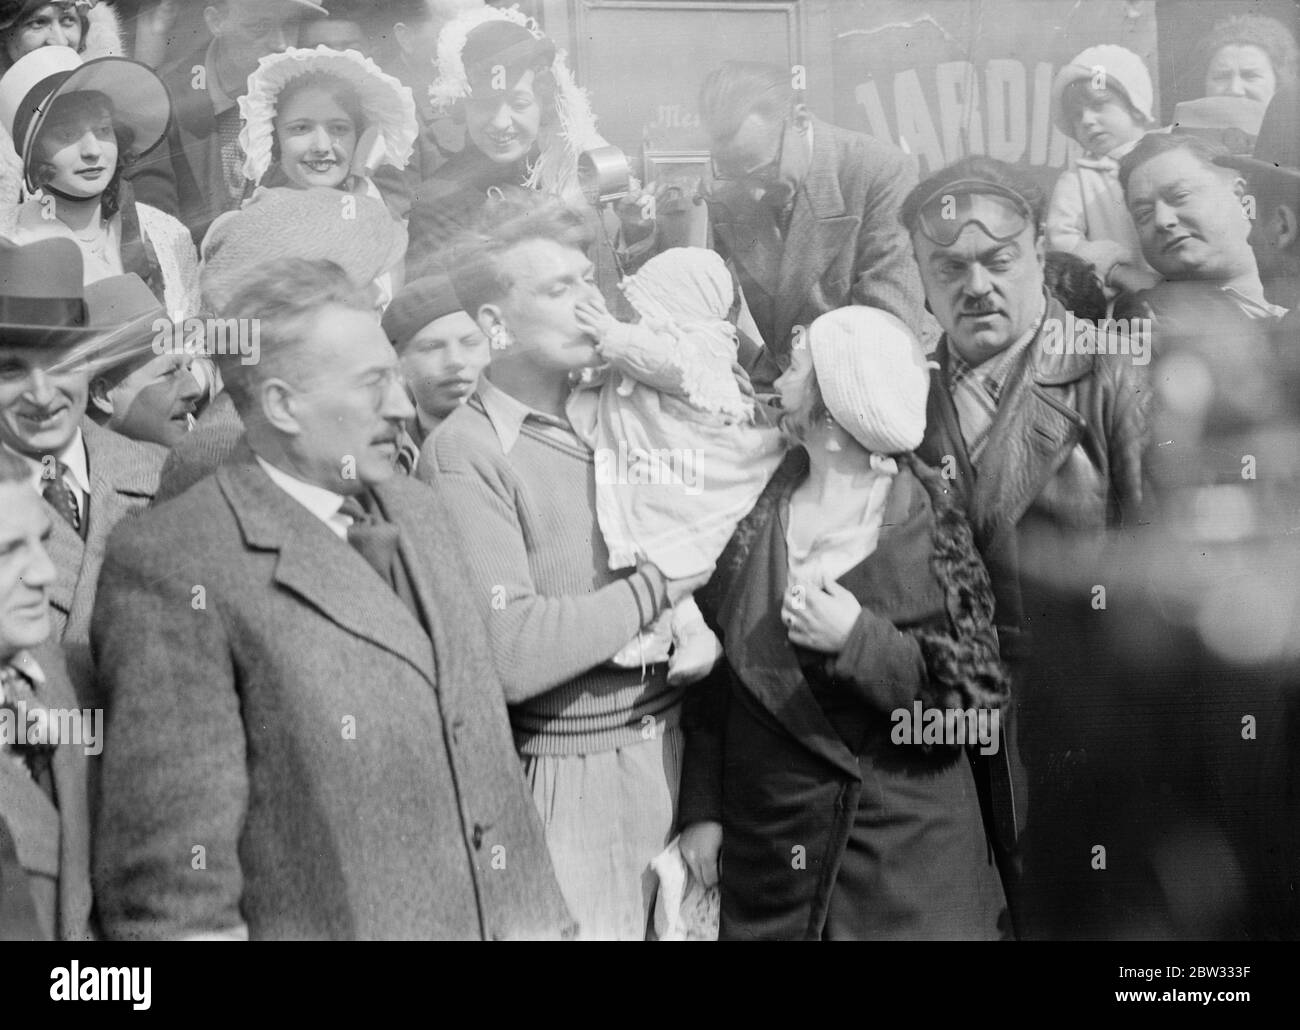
{"points": [[681, 213], [678, 166]]}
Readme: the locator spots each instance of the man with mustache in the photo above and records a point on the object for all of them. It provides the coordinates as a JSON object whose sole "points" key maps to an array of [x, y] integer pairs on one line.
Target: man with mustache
{"points": [[805, 212], [88, 477], [145, 392], [1031, 441], [307, 738]]}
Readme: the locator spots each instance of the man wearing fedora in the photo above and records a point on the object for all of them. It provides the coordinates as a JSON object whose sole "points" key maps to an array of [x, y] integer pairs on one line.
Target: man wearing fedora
{"points": [[139, 388], [89, 478], [44, 825], [307, 737], [202, 152], [1273, 182]]}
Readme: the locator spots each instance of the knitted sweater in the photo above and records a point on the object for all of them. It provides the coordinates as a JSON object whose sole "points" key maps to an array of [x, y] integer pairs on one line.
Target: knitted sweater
{"points": [[526, 523]]}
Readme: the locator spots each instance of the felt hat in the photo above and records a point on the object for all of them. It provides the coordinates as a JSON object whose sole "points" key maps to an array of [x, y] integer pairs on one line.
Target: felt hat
{"points": [[1277, 147], [1232, 121], [42, 299]]}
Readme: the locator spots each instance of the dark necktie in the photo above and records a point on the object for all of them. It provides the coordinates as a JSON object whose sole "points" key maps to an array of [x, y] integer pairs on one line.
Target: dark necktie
{"points": [[15, 687], [375, 539], [60, 495]]}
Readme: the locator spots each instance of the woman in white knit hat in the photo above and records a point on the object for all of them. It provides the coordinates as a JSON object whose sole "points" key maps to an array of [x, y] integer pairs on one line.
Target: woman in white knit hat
{"points": [[850, 597]]}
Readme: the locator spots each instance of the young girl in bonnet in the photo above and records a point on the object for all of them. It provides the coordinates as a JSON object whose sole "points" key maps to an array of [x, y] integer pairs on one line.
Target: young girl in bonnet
{"points": [[324, 118], [681, 452], [320, 120]]}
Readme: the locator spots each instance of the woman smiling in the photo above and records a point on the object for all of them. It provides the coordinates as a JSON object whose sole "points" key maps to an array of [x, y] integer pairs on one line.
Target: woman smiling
{"points": [[324, 118]]}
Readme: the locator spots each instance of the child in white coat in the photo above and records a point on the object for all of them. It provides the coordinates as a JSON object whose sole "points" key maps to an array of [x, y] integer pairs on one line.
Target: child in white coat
{"points": [[1102, 98]]}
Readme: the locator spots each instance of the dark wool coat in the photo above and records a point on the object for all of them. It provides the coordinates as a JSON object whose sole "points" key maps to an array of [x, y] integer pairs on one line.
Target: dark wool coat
{"points": [[829, 829], [52, 844], [346, 771]]}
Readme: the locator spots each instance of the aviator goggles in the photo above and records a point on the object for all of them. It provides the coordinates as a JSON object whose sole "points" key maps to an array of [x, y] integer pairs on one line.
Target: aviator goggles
{"points": [[1001, 212]]}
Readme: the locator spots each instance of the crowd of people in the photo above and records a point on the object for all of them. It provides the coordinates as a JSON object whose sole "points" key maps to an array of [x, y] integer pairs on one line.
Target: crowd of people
{"points": [[397, 543]]}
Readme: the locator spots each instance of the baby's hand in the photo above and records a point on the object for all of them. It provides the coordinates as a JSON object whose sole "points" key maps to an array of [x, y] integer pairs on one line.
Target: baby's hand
{"points": [[594, 319]]}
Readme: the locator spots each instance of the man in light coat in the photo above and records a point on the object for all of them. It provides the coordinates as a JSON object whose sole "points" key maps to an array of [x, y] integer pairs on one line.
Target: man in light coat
{"points": [[306, 737]]}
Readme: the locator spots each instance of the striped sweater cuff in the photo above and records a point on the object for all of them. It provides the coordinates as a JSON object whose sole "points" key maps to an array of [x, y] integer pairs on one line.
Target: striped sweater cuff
{"points": [[650, 590]]}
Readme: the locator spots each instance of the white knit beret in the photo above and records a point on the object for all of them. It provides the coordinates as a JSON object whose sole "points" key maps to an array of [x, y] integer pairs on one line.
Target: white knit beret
{"points": [[873, 377]]}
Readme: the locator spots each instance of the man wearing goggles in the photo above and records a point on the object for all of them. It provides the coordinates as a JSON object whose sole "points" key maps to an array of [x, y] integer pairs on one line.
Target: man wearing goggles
{"points": [[980, 253], [1035, 440]]}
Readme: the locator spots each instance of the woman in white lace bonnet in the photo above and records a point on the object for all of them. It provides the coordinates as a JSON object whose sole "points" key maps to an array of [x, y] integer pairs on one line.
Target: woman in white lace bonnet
{"points": [[324, 118], [321, 121]]}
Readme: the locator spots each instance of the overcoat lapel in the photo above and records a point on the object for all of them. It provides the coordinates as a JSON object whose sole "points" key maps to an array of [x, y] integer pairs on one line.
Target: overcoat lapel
{"points": [[319, 567]]}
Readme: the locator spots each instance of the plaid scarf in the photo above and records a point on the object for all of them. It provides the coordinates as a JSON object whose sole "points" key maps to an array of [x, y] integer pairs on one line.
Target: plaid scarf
{"points": [[977, 389]]}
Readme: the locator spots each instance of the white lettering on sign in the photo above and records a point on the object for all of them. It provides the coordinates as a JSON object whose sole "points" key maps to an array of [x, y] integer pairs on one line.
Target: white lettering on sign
{"points": [[1009, 119]]}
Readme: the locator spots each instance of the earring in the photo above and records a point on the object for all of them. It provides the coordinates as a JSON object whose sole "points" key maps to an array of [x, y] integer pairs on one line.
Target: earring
{"points": [[832, 442], [499, 337]]}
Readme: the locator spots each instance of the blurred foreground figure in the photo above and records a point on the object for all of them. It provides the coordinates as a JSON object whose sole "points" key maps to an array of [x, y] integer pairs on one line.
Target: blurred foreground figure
{"points": [[1166, 719]]}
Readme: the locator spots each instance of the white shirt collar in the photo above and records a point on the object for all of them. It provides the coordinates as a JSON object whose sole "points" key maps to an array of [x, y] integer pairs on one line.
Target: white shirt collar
{"points": [[508, 414], [322, 503], [73, 456]]}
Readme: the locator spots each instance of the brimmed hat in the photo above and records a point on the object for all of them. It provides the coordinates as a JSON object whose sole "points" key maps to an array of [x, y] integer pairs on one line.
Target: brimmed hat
{"points": [[1125, 71], [1231, 121], [386, 104], [872, 375], [43, 304], [42, 299], [28, 90], [419, 303], [123, 315], [318, 224], [1277, 147]]}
